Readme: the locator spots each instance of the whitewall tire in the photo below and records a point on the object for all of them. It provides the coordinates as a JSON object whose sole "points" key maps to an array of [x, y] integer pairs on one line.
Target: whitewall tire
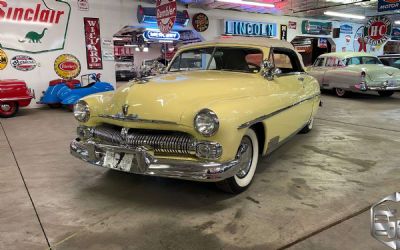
{"points": [[247, 167]]}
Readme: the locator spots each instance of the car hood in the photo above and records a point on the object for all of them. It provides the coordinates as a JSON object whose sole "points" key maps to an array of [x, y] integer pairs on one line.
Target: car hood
{"points": [[380, 72], [167, 97]]}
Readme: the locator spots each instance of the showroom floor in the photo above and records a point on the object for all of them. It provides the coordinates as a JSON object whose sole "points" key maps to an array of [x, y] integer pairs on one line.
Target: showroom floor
{"points": [[313, 193]]}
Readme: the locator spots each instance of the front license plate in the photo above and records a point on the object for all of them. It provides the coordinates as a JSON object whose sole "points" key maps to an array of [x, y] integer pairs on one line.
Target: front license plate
{"points": [[119, 161]]}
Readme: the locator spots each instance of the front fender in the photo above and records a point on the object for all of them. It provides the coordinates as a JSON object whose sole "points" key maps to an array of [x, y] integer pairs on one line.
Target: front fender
{"points": [[232, 114]]}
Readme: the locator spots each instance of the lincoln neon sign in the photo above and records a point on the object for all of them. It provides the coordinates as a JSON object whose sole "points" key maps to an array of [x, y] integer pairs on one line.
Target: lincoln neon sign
{"points": [[245, 28]]}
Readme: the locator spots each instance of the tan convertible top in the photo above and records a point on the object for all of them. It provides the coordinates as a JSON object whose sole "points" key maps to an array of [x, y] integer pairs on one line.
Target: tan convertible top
{"points": [[254, 41]]}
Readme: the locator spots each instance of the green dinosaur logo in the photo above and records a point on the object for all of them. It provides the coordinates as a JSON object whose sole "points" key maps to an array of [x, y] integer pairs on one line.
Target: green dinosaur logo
{"points": [[34, 37]]}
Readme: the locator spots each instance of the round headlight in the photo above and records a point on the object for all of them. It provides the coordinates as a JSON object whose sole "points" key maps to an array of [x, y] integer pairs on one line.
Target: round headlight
{"points": [[82, 111], [206, 122]]}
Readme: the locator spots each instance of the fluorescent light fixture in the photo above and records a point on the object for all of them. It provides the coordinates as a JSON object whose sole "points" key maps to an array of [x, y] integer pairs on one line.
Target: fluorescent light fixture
{"points": [[137, 49], [130, 45], [268, 5], [338, 14], [397, 22], [145, 49]]}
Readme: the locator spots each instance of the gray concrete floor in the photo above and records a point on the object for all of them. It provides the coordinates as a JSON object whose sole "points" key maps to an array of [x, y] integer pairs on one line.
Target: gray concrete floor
{"points": [[312, 193]]}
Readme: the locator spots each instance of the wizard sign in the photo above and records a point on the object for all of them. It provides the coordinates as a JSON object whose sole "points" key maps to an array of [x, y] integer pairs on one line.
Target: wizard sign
{"points": [[33, 26]]}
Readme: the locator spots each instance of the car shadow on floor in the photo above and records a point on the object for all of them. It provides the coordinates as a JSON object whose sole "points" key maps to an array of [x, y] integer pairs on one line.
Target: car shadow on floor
{"points": [[370, 97]]}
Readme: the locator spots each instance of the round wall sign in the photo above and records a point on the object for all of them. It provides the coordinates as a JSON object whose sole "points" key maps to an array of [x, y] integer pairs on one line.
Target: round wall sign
{"points": [[3, 59], [23, 63], [67, 66], [200, 22], [378, 30], [166, 15]]}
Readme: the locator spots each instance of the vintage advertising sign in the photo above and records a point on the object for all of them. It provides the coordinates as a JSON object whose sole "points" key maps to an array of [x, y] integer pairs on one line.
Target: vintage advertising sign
{"points": [[316, 28], [23, 63], [360, 41], [292, 25], [93, 43], [388, 5], [200, 22], [346, 29], [67, 66], [378, 30], [322, 43], [158, 36], [34, 26], [247, 28], [83, 5], [3, 59], [396, 34], [284, 32], [166, 15]]}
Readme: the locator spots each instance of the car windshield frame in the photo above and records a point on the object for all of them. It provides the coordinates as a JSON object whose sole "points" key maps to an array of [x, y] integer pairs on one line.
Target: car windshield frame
{"points": [[362, 60], [213, 57]]}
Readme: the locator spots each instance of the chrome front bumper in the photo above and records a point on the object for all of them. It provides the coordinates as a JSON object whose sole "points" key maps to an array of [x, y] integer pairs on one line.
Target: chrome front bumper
{"points": [[147, 164]]}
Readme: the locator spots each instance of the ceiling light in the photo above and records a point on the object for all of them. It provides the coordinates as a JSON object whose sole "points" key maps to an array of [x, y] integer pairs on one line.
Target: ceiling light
{"points": [[397, 22], [268, 5], [338, 14]]}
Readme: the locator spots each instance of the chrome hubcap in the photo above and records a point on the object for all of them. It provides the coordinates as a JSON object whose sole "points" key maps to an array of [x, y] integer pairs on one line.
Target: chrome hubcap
{"points": [[246, 157], [5, 107], [340, 92]]}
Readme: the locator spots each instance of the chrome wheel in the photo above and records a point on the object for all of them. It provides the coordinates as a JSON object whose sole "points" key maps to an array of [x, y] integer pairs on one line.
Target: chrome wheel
{"points": [[8, 109], [340, 92], [5, 107], [248, 153], [247, 157]]}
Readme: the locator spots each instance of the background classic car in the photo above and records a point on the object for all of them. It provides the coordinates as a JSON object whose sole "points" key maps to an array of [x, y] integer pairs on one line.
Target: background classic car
{"points": [[391, 60], [207, 120], [13, 95], [347, 72]]}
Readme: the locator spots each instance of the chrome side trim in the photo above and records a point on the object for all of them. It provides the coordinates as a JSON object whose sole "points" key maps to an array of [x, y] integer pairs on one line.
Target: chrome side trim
{"points": [[134, 118], [264, 117]]}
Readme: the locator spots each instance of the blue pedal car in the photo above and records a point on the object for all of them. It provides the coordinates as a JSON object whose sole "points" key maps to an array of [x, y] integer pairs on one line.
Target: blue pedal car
{"points": [[68, 92]]}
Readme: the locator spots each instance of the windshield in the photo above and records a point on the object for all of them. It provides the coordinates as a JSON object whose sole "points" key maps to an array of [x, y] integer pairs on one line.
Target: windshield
{"points": [[362, 60], [245, 60]]}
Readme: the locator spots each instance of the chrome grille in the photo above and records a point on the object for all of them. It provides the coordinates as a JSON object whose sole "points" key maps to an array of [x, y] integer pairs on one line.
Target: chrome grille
{"points": [[160, 142]]}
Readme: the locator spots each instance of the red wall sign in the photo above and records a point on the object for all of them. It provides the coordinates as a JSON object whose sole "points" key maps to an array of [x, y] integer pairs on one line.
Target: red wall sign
{"points": [[166, 15], [378, 30], [93, 43]]}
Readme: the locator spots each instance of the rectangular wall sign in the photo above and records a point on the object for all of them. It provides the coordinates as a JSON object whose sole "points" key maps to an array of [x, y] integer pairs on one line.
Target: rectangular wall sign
{"points": [[292, 25], [388, 5], [346, 29], [33, 26], [93, 43], [246, 28], [316, 28]]}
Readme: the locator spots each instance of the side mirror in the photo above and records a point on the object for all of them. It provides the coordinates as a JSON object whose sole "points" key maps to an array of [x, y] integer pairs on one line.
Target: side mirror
{"points": [[269, 71]]}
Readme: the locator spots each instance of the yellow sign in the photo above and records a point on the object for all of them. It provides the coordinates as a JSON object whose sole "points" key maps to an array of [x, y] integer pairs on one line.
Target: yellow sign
{"points": [[3, 59], [67, 66]]}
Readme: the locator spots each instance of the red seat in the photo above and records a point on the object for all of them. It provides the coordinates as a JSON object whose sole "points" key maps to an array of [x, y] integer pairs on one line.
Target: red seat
{"points": [[70, 83]]}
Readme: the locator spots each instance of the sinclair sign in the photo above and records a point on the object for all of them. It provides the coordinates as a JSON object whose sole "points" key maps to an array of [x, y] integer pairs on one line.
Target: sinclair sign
{"points": [[33, 26]]}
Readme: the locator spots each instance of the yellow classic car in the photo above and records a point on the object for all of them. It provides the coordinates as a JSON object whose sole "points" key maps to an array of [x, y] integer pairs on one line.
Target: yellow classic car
{"points": [[220, 105]]}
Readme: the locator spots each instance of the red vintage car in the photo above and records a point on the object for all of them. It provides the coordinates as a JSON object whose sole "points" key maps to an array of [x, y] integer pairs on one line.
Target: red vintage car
{"points": [[13, 95]]}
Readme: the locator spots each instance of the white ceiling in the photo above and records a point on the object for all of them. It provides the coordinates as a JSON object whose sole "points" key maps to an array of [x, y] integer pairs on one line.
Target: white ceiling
{"points": [[299, 8]]}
